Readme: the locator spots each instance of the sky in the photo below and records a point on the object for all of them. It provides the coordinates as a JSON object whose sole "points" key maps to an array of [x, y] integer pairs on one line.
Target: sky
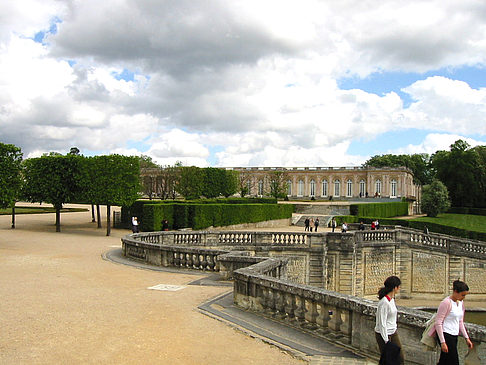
{"points": [[242, 83]]}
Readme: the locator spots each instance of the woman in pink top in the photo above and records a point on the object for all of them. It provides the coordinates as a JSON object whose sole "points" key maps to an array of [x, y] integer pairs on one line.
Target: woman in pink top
{"points": [[449, 322]]}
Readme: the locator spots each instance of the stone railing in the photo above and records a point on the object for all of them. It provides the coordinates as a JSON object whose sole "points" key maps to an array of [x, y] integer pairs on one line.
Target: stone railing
{"points": [[341, 318]]}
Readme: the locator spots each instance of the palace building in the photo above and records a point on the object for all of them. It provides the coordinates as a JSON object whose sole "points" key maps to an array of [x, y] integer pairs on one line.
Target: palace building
{"points": [[323, 182]]}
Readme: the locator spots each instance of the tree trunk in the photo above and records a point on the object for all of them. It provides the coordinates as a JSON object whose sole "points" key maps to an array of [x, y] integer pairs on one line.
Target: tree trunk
{"points": [[93, 219], [98, 213], [108, 218], [13, 215], [58, 219]]}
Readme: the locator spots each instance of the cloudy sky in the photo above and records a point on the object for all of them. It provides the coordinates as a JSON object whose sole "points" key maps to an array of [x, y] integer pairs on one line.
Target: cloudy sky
{"points": [[242, 83]]}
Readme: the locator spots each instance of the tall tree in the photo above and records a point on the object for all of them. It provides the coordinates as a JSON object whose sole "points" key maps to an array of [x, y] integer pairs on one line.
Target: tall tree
{"points": [[53, 179], [229, 185], [244, 184], [462, 170], [10, 176], [278, 183], [435, 199], [112, 180], [419, 164], [191, 182]]}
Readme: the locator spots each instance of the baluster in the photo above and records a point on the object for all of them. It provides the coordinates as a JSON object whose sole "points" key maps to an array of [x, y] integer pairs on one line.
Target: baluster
{"points": [[335, 322], [300, 310], [183, 259], [177, 260], [269, 302], [204, 263], [323, 318], [311, 315], [289, 302], [280, 305], [346, 325], [189, 260], [211, 262]]}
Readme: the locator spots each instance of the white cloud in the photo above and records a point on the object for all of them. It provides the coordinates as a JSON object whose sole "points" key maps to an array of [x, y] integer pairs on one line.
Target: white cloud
{"points": [[255, 81], [434, 142]]}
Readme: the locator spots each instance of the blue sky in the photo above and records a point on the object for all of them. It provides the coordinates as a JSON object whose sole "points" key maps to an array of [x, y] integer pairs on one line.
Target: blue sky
{"points": [[239, 84]]}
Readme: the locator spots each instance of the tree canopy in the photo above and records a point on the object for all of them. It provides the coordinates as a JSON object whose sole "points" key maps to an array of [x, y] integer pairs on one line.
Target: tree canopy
{"points": [[10, 174], [435, 199]]}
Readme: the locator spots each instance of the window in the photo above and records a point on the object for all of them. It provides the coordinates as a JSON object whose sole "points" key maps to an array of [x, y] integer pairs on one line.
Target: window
{"points": [[378, 187], [260, 187], [248, 187], [324, 188], [289, 187], [300, 189], [349, 188], [393, 189], [312, 188], [362, 188], [337, 188]]}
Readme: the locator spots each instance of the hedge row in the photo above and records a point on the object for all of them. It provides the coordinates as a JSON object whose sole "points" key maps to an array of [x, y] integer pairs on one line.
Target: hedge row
{"points": [[136, 209], [379, 210], [433, 227], [467, 210], [200, 216]]}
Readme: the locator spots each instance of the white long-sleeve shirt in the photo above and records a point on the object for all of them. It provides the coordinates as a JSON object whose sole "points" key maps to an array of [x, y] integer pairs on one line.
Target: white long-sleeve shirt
{"points": [[386, 317]]}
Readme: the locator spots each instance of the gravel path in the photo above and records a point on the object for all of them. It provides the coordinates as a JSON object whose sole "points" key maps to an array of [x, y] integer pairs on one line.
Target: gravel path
{"points": [[61, 303]]}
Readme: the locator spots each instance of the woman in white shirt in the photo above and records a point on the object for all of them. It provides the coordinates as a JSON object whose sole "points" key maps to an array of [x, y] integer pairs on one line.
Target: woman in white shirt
{"points": [[386, 315], [449, 322]]}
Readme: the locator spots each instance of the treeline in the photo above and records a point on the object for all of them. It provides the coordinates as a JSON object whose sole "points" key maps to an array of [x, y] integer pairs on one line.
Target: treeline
{"points": [[462, 169], [59, 179]]}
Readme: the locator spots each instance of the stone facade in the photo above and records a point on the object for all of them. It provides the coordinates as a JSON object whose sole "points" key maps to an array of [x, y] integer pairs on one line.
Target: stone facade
{"points": [[326, 182], [317, 182]]}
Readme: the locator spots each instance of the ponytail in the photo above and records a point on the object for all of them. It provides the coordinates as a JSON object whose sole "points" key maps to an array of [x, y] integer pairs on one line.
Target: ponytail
{"points": [[390, 283]]}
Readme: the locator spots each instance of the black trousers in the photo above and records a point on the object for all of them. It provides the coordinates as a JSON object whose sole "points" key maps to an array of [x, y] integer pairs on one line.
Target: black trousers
{"points": [[393, 338], [451, 357]]}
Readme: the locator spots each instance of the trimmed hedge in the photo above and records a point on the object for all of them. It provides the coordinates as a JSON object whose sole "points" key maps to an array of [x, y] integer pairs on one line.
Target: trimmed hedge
{"points": [[379, 210], [203, 213], [433, 227], [467, 210]]}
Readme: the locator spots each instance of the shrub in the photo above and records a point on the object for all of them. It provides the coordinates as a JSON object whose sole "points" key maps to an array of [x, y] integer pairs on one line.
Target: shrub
{"points": [[379, 210]]}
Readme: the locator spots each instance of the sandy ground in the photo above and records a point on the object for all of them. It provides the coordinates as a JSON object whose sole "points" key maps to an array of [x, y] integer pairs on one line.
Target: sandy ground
{"points": [[61, 303]]}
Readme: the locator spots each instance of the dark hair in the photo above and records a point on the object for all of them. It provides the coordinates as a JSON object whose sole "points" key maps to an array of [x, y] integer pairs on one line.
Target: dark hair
{"points": [[390, 283], [459, 286]]}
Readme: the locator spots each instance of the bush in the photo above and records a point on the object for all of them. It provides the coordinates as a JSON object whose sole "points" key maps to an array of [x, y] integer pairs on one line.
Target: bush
{"points": [[379, 210], [467, 210]]}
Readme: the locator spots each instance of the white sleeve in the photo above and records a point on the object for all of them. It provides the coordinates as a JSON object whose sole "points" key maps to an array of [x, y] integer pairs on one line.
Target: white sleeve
{"points": [[381, 316]]}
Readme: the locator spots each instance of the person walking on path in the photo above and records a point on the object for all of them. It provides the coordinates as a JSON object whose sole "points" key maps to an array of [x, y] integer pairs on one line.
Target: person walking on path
{"points": [[311, 224], [316, 224], [386, 317], [135, 225], [449, 323], [306, 224], [344, 227], [333, 224]]}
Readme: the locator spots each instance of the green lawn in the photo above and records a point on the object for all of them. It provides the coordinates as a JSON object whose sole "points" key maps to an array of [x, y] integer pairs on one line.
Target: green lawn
{"points": [[469, 222], [38, 210]]}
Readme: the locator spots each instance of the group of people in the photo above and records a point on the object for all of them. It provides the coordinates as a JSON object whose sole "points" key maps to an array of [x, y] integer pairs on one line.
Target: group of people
{"points": [[136, 225], [375, 225], [311, 224], [449, 323]]}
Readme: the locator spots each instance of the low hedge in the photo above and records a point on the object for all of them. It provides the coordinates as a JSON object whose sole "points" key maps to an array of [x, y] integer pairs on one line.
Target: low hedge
{"points": [[433, 227], [467, 210], [379, 210], [200, 216]]}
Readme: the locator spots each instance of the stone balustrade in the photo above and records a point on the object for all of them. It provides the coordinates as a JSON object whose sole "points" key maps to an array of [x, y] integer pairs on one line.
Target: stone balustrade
{"points": [[345, 269]]}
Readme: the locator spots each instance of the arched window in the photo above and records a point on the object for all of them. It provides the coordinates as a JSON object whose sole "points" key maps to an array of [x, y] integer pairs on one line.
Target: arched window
{"points": [[260, 187], [337, 188], [362, 188], [378, 187], [393, 189], [324, 188], [312, 188], [300, 188], [349, 188], [289, 187]]}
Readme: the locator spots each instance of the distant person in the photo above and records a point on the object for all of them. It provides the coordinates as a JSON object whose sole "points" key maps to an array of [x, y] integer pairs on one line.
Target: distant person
{"points": [[449, 323], [344, 227], [311, 224], [373, 225], [330, 197], [426, 230], [165, 225], [333, 224], [306, 224], [316, 224], [135, 225], [366, 194], [361, 226], [377, 224], [386, 319]]}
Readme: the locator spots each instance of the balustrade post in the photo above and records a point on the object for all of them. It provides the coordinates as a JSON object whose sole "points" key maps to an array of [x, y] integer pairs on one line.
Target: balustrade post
{"points": [[335, 322], [311, 315], [346, 327], [290, 306], [280, 305], [164, 259], [300, 310], [323, 318], [270, 302]]}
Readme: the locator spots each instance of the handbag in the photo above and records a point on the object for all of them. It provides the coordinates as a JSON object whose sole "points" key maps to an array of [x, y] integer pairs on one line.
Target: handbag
{"points": [[429, 342]]}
